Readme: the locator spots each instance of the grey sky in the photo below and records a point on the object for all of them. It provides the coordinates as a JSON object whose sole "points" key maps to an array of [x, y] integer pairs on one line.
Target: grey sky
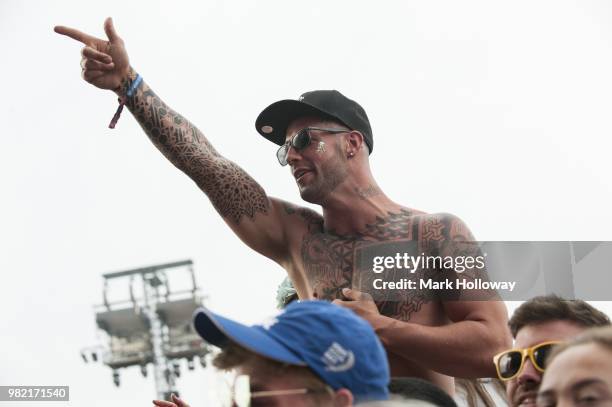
{"points": [[498, 112]]}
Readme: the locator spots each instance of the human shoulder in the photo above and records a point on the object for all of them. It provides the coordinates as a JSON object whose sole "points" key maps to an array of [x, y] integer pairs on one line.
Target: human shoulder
{"points": [[437, 230], [453, 225], [301, 217]]}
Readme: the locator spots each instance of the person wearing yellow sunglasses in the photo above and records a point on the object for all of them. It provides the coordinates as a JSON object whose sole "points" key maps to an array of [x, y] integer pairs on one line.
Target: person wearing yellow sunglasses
{"points": [[537, 326], [509, 363]]}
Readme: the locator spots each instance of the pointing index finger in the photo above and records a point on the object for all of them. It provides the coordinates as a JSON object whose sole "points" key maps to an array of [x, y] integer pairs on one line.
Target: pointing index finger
{"points": [[74, 34]]}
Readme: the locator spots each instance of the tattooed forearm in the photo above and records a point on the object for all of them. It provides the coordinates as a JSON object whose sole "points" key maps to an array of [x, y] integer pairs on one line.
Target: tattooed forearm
{"points": [[231, 190]]}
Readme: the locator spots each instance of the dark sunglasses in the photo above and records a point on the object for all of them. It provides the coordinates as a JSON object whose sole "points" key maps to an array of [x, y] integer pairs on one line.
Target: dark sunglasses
{"points": [[509, 364], [300, 141]]}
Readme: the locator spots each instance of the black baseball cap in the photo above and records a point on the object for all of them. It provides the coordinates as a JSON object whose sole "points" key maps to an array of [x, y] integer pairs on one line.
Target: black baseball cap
{"points": [[273, 121]]}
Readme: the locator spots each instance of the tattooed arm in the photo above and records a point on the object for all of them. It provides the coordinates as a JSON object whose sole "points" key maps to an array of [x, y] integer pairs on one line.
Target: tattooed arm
{"points": [[257, 219], [476, 330], [237, 197]]}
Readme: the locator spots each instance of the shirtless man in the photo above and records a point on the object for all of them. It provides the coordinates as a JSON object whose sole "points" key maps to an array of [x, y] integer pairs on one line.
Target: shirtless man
{"points": [[424, 337]]}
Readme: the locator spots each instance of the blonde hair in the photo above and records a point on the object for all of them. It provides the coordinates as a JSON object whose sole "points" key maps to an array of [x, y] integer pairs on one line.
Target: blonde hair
{"points": [[601, 336], [233, 356], [476, 394]]}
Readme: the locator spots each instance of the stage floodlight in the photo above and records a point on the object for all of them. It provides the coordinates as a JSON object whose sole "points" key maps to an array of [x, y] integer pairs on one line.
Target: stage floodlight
{"points": [[151, 326]]}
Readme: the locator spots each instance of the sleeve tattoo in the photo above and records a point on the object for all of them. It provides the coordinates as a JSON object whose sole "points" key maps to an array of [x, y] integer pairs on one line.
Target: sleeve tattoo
{"points": [[231, 190]]}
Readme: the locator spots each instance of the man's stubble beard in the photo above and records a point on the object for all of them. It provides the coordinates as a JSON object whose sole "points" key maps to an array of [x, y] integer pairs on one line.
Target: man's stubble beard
{"points": [[331, 173]]}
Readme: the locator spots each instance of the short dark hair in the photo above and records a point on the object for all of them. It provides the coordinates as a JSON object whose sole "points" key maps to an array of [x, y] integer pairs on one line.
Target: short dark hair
{"points": [[547, 308]]}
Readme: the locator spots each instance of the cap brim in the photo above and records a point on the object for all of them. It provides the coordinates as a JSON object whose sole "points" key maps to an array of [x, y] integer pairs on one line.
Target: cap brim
{"points": [[277, 117], [219, 331]]}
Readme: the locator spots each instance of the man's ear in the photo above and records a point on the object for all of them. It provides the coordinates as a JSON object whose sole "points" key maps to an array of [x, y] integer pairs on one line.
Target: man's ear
{"points": [[355, 142], [343, 398]]}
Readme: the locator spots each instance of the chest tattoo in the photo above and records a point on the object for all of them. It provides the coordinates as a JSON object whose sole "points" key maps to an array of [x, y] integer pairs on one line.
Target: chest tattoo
{"points": [[329, 260]]}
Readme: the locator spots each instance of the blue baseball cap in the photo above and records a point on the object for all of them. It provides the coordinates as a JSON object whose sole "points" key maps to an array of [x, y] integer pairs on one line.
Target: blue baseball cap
{"points": [[336, 344]]}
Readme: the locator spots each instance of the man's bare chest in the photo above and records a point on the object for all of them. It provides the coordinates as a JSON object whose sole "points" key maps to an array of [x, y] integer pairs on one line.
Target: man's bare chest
{"points": [[329, 262]]}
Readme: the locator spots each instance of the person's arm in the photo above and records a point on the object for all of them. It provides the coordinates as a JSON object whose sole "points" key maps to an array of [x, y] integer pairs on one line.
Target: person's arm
{"points": [[463, 348], [256, 218], [237, 197]]}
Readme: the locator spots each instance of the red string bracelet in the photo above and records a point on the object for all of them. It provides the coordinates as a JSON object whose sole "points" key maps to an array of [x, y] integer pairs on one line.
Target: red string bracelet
{"points": [[123, 100]]}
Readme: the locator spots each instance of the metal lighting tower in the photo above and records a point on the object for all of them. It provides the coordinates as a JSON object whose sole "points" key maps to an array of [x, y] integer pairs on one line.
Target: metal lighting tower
{"points": [[154, 328]]}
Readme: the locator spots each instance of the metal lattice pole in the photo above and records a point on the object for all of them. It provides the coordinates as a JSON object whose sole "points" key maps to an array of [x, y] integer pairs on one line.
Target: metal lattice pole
{"points": [[154, 328], [164, 376]]}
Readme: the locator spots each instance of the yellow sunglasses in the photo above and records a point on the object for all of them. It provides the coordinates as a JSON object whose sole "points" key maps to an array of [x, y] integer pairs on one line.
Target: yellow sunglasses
{"points": [[509, 363]]}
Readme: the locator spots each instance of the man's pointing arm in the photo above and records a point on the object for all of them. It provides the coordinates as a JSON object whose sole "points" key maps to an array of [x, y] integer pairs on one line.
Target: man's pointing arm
{"points": [[256, 218]]}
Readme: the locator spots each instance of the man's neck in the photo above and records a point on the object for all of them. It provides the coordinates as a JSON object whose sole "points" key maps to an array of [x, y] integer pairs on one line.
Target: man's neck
{"points": [[351, 208]]}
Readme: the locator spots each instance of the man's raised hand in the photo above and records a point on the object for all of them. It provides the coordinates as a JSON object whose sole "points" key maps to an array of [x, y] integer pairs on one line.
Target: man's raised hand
{"points": [[104, 64]]}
